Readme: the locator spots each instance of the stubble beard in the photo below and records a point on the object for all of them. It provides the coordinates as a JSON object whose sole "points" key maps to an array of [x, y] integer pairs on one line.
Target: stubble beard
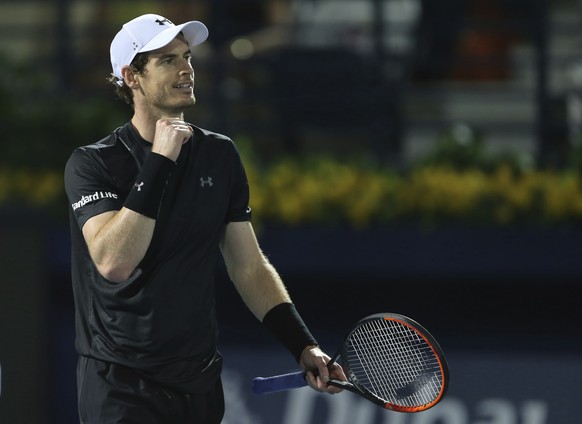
{"points": [[175, 108]]}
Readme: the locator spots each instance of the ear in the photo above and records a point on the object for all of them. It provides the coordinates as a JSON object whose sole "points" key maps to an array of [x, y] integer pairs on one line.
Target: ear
{"points": [[130, 77]]}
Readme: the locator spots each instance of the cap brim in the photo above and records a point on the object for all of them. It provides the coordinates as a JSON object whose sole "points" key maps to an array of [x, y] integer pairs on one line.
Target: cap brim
{"points": [[194, 32]]}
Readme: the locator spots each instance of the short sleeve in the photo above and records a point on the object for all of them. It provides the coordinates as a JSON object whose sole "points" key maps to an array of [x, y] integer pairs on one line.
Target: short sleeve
{"points": [[239, 209], [89, 187]]}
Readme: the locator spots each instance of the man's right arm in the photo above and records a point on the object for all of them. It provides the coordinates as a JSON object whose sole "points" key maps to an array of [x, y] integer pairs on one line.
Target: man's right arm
{"points": [[118, 241]]}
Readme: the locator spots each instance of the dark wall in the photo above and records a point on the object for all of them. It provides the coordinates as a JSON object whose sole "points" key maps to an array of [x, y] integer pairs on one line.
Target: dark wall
{"points": [[23, 323], [491, 292]]}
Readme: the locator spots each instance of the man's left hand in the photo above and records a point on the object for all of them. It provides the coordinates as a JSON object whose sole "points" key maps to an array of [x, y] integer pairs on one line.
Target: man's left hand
{"points": [[317, 373]]}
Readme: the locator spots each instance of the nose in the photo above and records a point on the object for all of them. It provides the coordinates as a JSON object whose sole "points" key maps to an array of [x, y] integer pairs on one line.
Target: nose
{"points": [[187, 68]]}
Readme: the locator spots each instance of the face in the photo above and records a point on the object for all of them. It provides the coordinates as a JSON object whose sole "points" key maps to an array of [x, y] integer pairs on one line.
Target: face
{"points": [[167, 84]]}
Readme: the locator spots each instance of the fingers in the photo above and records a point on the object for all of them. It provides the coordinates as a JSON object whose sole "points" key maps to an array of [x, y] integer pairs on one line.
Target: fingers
{"points": [[320, 380], [315, 382], [318, 373], [337, 372], [320, 384], [170, 135], [176, 128]]}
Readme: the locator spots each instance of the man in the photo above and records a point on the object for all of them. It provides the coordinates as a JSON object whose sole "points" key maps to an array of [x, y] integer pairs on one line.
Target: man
{"points": [[151, 205]]}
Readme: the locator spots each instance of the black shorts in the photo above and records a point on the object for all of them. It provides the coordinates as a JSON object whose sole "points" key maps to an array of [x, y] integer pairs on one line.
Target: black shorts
{"points": [[113, 394]]}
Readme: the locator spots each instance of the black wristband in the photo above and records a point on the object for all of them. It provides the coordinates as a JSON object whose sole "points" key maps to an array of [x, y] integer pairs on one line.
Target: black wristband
{"points": [[147, 192], [288, 327]]}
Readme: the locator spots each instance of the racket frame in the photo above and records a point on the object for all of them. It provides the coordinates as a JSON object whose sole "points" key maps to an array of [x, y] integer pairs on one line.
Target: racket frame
{"points": [[354, 387], [264, 385]]}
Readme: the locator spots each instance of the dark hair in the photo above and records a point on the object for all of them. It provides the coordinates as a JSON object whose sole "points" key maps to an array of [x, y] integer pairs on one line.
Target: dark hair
{"points": [[123, 91]]}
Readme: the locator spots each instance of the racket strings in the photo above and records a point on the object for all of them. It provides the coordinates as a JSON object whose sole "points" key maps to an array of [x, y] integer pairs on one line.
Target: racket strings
{"points": [[394, 362]]}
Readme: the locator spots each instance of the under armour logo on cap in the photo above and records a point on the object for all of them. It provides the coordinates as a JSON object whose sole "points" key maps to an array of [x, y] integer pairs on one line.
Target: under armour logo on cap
{"points": [[163, 21], [150, 32]]}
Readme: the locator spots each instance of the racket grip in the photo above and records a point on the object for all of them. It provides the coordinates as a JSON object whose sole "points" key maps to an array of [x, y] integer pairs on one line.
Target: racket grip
{"points": [[277, 383]]}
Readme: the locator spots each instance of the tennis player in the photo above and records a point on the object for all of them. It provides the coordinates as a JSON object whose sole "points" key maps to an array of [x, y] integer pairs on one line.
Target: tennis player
{"points": [[151, 206]]}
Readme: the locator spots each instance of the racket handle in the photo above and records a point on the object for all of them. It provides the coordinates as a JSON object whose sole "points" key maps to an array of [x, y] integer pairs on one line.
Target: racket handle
{"points": [[277, 383]]}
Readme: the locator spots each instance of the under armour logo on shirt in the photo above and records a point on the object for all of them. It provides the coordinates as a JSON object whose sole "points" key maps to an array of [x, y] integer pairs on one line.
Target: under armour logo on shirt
{"points": [[206, 182], [163, 21], [138, 186]]}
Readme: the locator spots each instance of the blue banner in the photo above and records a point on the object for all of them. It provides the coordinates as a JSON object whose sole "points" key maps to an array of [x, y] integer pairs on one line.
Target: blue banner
{"points": [[485, 388]]}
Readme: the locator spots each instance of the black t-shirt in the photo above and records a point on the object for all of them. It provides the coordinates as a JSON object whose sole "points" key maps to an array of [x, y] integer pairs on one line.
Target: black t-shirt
{"points": [[161, 321]]}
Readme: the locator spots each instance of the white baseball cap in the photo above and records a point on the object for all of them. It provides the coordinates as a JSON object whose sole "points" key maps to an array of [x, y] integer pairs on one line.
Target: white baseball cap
{"points": [[150, 32]]}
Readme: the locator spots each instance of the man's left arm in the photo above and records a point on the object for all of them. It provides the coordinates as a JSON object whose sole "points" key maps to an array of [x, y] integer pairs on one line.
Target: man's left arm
{"points": [[254, 277], [263, 291]]}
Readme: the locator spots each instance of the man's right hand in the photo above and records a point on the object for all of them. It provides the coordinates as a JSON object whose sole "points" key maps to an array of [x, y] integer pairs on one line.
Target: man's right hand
{"points": [[171, 134]]}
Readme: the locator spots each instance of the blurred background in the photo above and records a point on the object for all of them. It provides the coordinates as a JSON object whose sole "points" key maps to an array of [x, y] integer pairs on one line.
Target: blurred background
{"points": [[414, 156]]}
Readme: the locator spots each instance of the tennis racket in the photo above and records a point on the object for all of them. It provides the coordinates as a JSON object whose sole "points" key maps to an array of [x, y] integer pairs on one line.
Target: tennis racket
{"points": [[389, 359]]}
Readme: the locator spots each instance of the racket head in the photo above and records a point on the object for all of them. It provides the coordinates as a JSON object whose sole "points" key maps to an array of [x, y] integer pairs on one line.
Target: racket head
{"points": [[395, 362]]}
